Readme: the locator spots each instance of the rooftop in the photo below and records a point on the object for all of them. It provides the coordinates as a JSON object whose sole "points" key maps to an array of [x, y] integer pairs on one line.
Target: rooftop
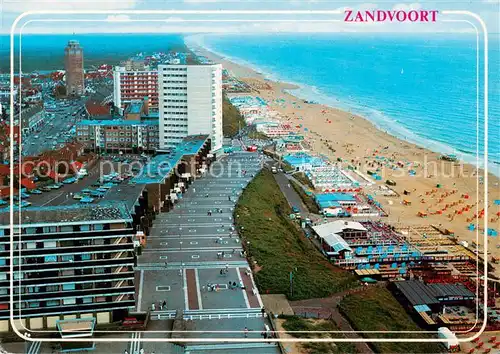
{"points": [[418, 293], [95, 108], [332, 199], [336, 227], [134, 107], [161, 165], [67, 214], [123, 122]]}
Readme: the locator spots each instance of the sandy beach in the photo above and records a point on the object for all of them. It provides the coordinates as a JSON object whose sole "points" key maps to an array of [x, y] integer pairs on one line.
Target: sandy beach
{"points": [[454, 189]]}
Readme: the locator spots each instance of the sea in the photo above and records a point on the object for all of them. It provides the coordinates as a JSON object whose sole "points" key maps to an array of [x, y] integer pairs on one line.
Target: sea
{"points": [[44, 52], [426, 89]]}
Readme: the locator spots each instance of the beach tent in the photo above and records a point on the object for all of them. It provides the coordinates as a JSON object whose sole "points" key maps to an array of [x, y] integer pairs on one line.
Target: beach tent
{"points": [[492, 233]]}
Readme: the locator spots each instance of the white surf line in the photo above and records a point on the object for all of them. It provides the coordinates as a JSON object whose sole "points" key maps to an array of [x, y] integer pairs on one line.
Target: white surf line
{"points": [[184, 282], [261, 304], [245, 296], [198, 292], [139, 298]]}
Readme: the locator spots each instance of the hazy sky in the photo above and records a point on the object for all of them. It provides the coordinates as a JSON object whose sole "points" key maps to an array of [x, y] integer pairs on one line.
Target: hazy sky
{"points": [[69, 23]]}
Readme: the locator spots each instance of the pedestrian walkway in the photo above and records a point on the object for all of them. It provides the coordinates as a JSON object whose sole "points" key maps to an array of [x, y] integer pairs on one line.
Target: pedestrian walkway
{"points": [[194, 259]]}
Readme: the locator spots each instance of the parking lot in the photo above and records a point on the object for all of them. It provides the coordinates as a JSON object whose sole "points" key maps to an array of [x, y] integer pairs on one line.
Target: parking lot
{"points": [[58, 127], [90, 186]]}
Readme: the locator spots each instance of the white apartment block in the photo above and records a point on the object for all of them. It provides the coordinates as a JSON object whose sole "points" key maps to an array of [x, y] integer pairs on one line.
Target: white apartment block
{"points": [[190, 103]]}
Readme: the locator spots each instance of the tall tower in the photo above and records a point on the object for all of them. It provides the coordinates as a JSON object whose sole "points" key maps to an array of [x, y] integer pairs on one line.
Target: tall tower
{"points": [[73, 64]]}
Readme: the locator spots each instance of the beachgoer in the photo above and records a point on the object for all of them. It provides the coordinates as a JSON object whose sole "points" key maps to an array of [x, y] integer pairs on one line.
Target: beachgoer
{"points": [[141, 351], [165, 304], [194, 190], [246, 332], [227, 266]]}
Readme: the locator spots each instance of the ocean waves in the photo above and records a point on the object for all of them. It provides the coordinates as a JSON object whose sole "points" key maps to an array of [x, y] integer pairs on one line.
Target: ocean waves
{"points": [[420, 90]]}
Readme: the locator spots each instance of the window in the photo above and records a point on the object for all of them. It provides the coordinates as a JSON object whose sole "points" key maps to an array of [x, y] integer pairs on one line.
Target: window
{"points": [[51, 303], [70, 301], [50, 259], [86, 257], [68, 272], [68, 258], [70, 286]]}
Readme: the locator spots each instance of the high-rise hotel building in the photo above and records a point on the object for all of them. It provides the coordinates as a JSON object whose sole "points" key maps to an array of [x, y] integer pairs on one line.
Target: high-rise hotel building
{"points": [[189, 103], [133, 82], [73, 64]]}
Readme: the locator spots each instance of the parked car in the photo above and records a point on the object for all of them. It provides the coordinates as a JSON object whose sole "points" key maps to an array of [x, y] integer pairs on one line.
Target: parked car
{"points": [[35, 191], [45, 189], [295, 209]]}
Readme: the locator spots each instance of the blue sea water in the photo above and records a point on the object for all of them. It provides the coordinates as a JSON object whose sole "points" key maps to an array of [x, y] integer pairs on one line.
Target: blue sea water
{"points": [[422, 89], [46, 51]]}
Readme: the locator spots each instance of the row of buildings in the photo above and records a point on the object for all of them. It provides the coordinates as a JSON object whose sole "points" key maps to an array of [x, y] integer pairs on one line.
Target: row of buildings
{"points": [[158, 108], [73, 260]]}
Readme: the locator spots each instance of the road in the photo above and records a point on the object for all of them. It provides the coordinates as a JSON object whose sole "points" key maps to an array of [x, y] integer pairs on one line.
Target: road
{"points": [[287, 189]]}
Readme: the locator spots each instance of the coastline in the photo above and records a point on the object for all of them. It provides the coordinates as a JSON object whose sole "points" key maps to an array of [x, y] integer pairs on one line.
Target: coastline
{"points": [[357, 139], [375, 115]]}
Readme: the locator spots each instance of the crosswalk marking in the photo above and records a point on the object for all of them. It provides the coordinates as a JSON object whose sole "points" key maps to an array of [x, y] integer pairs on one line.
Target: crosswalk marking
{"points": [[135, 344], [34, 348]]}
